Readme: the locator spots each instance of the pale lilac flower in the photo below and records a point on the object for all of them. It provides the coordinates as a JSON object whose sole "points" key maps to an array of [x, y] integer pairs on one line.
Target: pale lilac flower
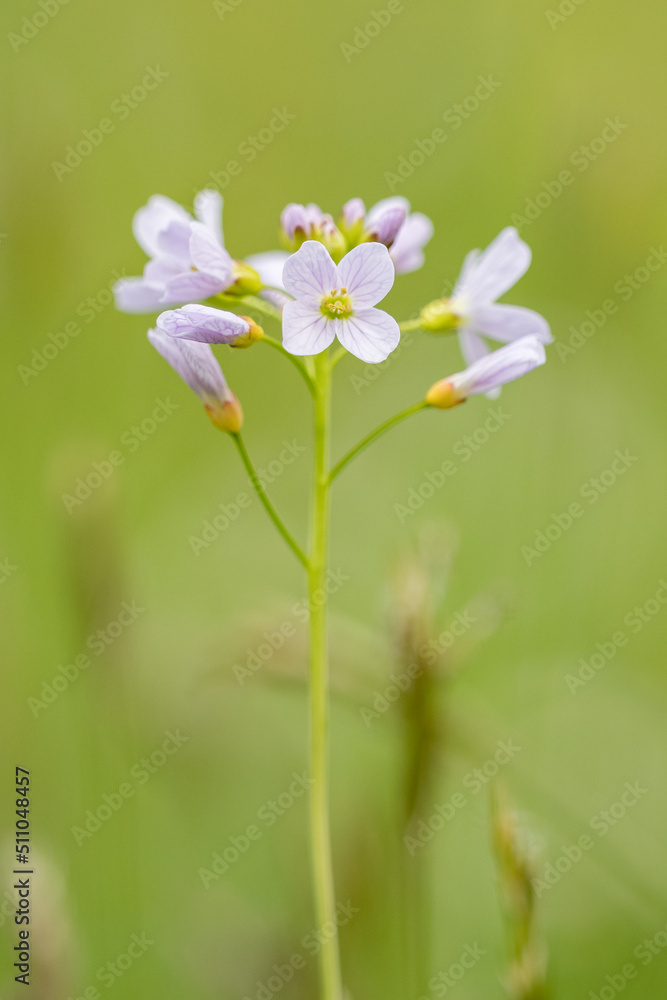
{"points": [[187, 256], [206, 325], [197, 366], [337, 300], [488, 373], [483, 279], [391, 222]]}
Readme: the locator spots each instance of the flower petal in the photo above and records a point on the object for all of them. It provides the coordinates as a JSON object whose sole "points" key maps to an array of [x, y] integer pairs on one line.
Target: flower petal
{"points": [[305, 329], [500, 367], [153, 218], [310, 273], [495, 271], [368, 274], [191, 285], [195, 363], [203, 324], [208, 210], [473, 347], [507, 323], [407, 250], [136, 295], [269, 266], [377, 210], [208, 255], [371, 335], [174, 242]]}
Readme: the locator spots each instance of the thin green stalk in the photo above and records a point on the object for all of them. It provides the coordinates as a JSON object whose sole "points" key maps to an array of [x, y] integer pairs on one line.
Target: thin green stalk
{"points": [[325, 899], [270, 509], [410, 324], [296, 361], [378, 432]]}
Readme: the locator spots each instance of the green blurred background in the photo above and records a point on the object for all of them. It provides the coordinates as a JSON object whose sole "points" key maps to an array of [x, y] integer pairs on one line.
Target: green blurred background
{"points": [[67, 574]]}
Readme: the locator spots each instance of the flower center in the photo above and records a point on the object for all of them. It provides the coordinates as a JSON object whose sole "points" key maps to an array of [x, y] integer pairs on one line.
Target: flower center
{"points": [[337, 304]]}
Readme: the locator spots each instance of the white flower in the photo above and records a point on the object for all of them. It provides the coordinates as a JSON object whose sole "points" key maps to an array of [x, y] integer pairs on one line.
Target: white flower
{"points": [[483, 279], [337, 300]]}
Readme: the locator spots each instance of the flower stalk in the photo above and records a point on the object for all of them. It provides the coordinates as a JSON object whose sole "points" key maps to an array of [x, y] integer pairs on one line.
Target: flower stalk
{"points": [[320, 835]]}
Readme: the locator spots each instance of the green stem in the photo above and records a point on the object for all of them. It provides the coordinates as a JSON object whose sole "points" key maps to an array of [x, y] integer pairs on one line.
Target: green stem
{"points": [[374, 435], [325, 899], [296, 361], [270, 509], [410, 324]]}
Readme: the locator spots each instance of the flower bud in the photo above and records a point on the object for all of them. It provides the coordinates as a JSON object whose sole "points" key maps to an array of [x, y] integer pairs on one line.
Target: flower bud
{"points": [[444, 395], [254, 334], [226, 415], [351, 222], [439, 316], [246, 280]]}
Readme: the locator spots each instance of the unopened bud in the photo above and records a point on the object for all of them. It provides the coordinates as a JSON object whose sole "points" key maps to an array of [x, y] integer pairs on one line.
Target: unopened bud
{"points": [[444, 395], [226, 415], [439, 316], [254, 334]]}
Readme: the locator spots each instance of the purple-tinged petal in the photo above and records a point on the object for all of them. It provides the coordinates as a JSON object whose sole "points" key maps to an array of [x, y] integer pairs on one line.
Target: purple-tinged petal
{"points": [[208, 255], [174, 242], [136, 295], [153, 218], [195, 363], [203, 324], [367, 273], [305, 329], [208, 210], [294, 217], [386, 205], [407, 250], [386, 226], [190, 286], [499, 267], [371, 335], [269, 266], [310, 273], [500, 367], [506, 323], [353, 211]]}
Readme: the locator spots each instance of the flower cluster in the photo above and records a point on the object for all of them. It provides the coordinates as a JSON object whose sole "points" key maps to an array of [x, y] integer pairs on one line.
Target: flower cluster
{"points": [[326, 286]]}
